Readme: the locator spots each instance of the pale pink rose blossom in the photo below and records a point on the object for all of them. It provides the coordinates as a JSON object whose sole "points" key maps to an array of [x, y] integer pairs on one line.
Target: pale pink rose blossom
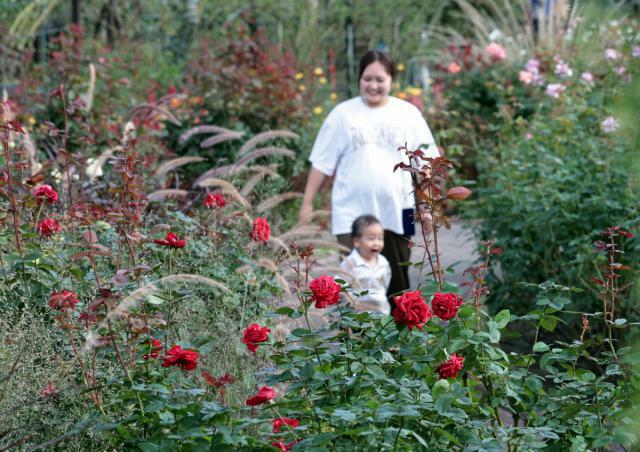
{"points": [[635, 52], [532, 66], [496, 51], [611, 54], [621, 70], [587, 77], [610, 124], [563, 69], [555, 89], [528, 136], [526, 77]]}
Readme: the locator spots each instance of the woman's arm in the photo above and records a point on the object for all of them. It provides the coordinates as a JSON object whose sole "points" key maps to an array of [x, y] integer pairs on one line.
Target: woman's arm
{"points": [[314, 181]]}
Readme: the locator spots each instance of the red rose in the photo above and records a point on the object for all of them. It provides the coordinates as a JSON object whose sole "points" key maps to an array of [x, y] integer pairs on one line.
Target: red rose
{"points": [[214, 200], [281, 422], [261, 230], [450, 368], [185, 359], [446, 305], [326, 291], [154, 346], [46, 193], [264, 395], [48, 227], [254, 334], [171, 240], [63, 300], [411, 310]]}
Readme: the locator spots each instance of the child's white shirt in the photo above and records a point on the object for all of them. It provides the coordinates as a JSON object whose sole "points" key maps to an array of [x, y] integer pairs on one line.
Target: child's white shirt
{"points": [[373, 278]]}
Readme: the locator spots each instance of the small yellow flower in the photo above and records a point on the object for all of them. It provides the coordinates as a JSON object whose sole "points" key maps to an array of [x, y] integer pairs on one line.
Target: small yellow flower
{"points": [[31, 120], [396, 85], [412, 91], [333, 96], [400, 67], [299, 76], [402, 95], [317, 110], [322, 80], [302, 88], [317, 71]]}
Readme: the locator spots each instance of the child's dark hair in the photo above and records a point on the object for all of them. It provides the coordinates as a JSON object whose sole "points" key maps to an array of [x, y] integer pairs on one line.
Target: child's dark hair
{"points": [[381, 57], [360, 223]]}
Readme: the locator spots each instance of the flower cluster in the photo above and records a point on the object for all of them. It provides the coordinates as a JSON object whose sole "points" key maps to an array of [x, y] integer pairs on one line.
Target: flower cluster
{"points": [[264, 395], [255, 334], [62, 301], [48, 227], [214, 200], [172, 241], [184, 359], [45, 193], [154, 346], [260, 231], [451, 367], [325, 291]]}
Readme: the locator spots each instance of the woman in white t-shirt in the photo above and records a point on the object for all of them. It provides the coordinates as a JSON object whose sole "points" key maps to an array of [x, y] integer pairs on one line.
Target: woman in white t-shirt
{"points": [[358, 145]]}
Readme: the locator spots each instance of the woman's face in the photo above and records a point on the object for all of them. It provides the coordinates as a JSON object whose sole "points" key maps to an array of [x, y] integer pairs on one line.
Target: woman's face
{"points": [[375, 85]]}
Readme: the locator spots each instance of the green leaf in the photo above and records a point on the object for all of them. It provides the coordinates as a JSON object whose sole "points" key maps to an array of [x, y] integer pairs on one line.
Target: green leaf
{"points": [[443, 403], [494, 333], [540, 347], [533, 383], [549, 323], [345, 415], [466, 311], [285, 311], [377, 372], [167, 418], [502, 318]]}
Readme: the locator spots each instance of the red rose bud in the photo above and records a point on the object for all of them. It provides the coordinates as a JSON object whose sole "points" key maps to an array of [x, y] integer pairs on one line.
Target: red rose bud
{"points": [[48, 227], [458, 193], [260, 231], [185, 359], [255, 334], [45, 193], [325, 291], [172, 241], [411, 310], [154, 346], [264, 395], [279, 423], [213, 200], [446, 305], [63, 300], [451, 367]]}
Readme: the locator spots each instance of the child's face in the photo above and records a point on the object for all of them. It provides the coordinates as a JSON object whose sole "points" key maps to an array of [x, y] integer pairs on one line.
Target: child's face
{"points": [[370, 242]]}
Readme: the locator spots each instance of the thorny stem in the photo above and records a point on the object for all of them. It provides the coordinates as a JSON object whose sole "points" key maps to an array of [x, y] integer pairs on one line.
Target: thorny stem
{"points": [[12, 199]]}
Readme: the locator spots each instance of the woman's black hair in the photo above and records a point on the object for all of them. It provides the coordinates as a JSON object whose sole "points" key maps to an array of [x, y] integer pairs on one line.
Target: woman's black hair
{"points": [[360, 223], [381, 57]]}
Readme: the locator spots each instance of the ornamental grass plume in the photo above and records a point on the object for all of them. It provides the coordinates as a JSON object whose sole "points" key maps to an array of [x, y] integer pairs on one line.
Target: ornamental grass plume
{"points": [[184, 359], [255, 334], [325, 291], [451, 367], [411, 310], [265, 394]]}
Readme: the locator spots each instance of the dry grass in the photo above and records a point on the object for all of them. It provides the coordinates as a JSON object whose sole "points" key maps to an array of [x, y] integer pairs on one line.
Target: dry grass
{"points": [[145, 108], [172, 164], [276, 200], [161, 195], [265, 136], [201, 130]]}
